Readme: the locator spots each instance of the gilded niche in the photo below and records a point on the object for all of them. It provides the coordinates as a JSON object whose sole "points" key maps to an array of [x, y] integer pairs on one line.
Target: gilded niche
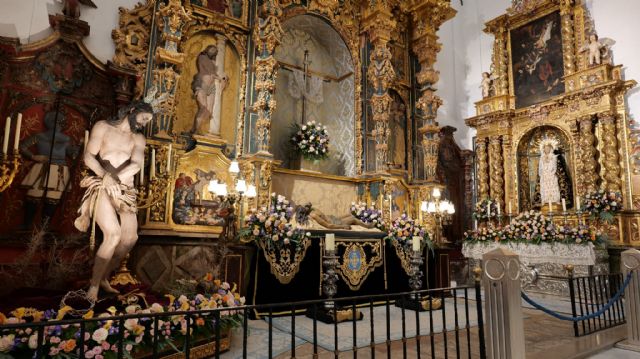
{"points": [[207, 98]]}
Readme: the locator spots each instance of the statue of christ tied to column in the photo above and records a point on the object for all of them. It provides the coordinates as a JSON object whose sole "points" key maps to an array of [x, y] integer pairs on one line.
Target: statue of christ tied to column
{"points": [[114, 153]]}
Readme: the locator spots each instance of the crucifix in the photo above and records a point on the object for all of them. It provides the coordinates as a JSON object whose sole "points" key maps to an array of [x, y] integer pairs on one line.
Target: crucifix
{"points": [[306, 74]]}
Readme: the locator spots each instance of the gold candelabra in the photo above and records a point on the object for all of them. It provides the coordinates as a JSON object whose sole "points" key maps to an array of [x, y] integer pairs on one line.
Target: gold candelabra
{"points": [[441, 210], [9, 167]]}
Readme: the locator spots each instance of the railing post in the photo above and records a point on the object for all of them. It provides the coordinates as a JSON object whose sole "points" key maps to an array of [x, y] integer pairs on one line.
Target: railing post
{"points": [[572, 293], [630, 260], [503, 309]]}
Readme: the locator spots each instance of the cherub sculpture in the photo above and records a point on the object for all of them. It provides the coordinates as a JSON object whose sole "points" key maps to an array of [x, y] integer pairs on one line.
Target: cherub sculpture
{"points": [[486, 84], [598, 49]]}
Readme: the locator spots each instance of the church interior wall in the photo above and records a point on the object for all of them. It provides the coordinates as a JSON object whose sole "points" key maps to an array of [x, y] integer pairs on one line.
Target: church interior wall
{"points": [[28, 20], [466, 53]]}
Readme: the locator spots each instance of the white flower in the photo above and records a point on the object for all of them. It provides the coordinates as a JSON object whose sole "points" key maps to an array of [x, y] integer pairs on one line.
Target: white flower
{"points": [[304, 127], [286, 241], [312, 137], [100, 335], [33, 341]]}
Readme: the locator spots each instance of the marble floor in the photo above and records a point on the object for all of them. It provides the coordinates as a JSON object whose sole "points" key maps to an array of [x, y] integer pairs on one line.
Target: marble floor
{"points": [[545, 338]]}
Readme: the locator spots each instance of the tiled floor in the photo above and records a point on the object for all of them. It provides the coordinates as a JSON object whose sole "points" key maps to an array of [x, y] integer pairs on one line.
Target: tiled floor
{"points": [[546, 338], [616, 353]]}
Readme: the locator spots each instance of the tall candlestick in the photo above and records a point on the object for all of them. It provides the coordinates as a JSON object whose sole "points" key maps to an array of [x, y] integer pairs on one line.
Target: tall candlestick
{"points": [[152, 170], [142, 171], [330, 242], [16, 140], [564, 205], [5, 142], [416, 243], [578, 203], [86, 139], [550, 207], [169, 159]]}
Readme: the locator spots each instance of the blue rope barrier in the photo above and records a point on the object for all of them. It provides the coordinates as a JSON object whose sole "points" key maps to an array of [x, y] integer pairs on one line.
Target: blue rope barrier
{"points": [[585, 317]]}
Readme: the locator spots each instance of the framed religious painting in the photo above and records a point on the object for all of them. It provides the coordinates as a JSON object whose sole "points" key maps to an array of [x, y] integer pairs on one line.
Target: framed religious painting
{"points": [[537, 64]]}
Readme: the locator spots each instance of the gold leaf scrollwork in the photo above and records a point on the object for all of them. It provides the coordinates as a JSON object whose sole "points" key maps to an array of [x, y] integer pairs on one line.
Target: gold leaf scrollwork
{"points": [[283, 263], [404, 254], [354, 266]]}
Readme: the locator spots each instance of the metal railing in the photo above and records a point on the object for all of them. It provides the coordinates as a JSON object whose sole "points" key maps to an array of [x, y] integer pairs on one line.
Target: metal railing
{"points": [[589, 294], [453, 330]]}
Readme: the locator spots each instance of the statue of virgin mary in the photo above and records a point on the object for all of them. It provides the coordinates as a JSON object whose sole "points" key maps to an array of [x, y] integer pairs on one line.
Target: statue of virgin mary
{"points": [[553, 177]]}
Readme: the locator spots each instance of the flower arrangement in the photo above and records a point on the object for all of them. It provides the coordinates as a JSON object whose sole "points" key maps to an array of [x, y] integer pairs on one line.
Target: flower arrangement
{"points": [[533, 227], [311, 141], [404, 228], [603, 204], [275, 225], [102, 331], [368, 215], [486, 234], [481, 213]]}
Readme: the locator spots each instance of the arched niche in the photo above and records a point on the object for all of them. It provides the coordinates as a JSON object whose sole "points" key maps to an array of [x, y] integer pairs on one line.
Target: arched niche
{"points": [[330, 59], [528, 158], [186, 105]]}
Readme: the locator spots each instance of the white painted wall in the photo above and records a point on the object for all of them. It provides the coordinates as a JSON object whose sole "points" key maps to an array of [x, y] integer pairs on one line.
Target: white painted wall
{"points": [[466, 53], [29, 21]]}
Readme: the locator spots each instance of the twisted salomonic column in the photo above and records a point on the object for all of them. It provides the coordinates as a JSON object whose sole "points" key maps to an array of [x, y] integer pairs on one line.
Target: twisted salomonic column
{"points": [[483, 169], [378, 23], [267, 34], [568, 49], [587, 159], [428, 15], [610, 158], [496, 164]]}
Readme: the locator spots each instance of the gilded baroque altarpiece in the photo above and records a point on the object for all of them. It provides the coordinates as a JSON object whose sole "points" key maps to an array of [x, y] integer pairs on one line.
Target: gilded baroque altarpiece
{"points": [[177, 46], [545, 87]]}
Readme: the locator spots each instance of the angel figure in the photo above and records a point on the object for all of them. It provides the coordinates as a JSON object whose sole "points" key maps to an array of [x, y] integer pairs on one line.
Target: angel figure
{"points": [[598, 49], [487, 84]]}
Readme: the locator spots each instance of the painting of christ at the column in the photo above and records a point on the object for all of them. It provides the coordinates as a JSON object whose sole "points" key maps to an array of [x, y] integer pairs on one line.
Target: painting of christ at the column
{"points": [[536, 60]]}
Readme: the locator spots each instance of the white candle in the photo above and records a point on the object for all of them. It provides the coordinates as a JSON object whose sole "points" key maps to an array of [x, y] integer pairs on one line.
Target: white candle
{"points": [[416, 243], [498, 209], [564, 205], [510, 211], [169, 159], [5, 142], [578, 203], [330, 242], [489, 209], [390, 209], [16, 140], [142, 171], [550, 208], [86, 139], [475, 223], [152, 171]]}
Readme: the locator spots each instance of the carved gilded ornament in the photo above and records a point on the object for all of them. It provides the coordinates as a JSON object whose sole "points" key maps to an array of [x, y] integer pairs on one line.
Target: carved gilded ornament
{"points": [[610, 160], [496, 164], [131, 39], [588, 152], [483, 169]]}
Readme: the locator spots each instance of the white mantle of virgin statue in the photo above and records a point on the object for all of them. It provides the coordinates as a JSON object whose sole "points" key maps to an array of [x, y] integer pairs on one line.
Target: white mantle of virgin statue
{"points": [[557, 253]]}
